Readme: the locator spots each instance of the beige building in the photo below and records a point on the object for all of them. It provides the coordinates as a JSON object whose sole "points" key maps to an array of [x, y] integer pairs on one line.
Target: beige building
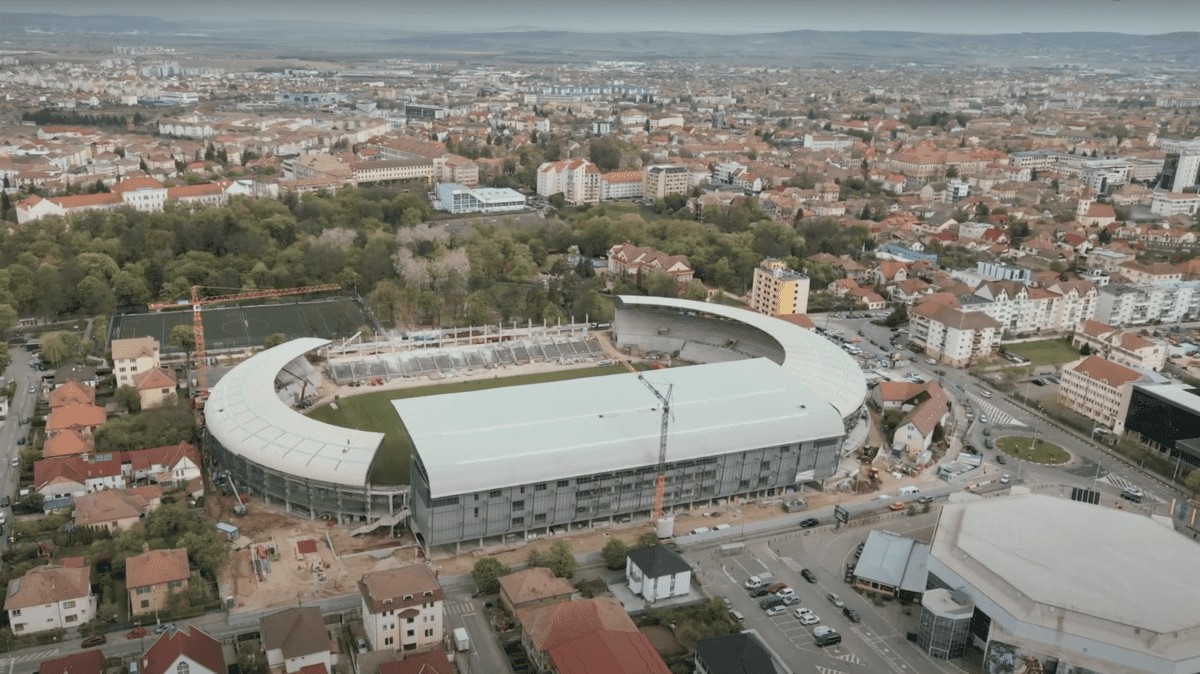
{"points": [[132, 357], [1099, 389], [402, 608], [153, 576], [155, 387], [663, 179], [296, 638], [535, 586], [1121, 347], [952, 336], [777, 290], [50, 598]]}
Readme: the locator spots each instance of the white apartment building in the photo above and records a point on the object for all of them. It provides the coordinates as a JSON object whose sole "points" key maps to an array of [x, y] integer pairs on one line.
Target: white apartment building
{"points": [[835, 142], [402, 608], [132, 357], [1167, 204], [50, 598], [1123, 348], [663, 179], [1127, 304], [1098, 389], [621, 185], [952, 336], [578, 180], [1022, 309], [779, 291]]}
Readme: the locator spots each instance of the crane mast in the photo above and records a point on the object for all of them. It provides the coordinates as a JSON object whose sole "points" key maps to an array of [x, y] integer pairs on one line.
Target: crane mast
{"points": [[660, 479]]}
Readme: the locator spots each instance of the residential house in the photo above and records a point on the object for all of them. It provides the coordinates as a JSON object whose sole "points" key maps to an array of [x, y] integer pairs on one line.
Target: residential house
{"points": [[170, 466], [888, 272], [630, 260], [578, 180], [72, 476], [133, 356], [90, 661], [590, 635], [953, 336], [183, 651], [50, 598], [75, 373], [72, 393], [156, 387], [152, 577], [777, 290], [535, 586], [116, 509], [296, 638], [1139, 273], [909, 290], [656, 572], [84, 419], [402, 608], [433, 661], [738, 653], [1121, 347], [1099, 389], [67, 443], [914, 434], [867, 299]]}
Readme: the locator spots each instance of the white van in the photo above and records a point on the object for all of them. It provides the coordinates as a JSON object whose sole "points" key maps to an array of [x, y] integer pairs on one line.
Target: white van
{"points": [[700, 530], [909, 491]]}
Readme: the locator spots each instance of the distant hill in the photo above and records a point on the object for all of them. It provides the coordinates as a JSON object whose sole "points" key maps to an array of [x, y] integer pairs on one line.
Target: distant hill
{"points": [[799, 47]]}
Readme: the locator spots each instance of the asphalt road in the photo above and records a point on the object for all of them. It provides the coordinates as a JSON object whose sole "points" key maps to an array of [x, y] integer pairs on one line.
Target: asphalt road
{"points": [[21, 406]]}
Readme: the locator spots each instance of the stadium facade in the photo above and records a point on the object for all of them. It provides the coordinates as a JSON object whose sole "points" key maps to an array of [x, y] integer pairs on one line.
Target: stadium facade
{"points": [[268, 449], [532, 459]]}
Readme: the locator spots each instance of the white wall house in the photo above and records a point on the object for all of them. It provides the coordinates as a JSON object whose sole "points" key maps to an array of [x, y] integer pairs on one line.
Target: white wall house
{"points": [[402, 608], [49, 598], [657, 573]]}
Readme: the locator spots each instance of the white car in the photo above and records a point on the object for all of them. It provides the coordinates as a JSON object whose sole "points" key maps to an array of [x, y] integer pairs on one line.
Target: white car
{"points": [[1004, 478], [753, 583], [986, 393], [982, 419], [776, 610], [809, 619], [801, 612]]}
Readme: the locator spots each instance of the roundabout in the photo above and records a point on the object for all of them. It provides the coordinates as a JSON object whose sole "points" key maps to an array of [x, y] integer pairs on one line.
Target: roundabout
{"points": [[1033, 450]]}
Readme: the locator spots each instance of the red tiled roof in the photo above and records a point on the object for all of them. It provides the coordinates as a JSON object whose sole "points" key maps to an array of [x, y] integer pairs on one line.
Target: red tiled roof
{"points": [[155, 567], [75, 416], [202, 649], [607, 652], [90, 661], [76, 468], [1104, 370], [72, 392], [67, 443], [426, 662]]}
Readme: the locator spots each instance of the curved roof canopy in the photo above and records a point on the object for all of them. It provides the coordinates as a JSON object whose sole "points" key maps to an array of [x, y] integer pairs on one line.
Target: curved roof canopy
{"points": [[245, 414], [808, 356]]}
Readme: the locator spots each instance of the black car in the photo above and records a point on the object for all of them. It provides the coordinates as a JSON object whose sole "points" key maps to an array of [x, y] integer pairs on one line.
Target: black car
{"points": [[809, 523], [769, 602], [759, 592], [5, 501], [851, 615], [1000, 459], [809, 575], [91, 642]]}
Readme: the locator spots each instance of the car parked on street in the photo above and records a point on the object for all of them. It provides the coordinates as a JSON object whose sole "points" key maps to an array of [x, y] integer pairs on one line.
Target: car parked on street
{"points": [[758, 592], [851, 614], [809, 523], [776, 610], [836, 600], [93, 641], [808, 575], [136, 633], [896, 505]]}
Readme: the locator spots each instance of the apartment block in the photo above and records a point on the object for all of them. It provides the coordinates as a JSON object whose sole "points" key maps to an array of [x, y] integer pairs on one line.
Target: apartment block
{"points": [[953, 336], [777, 290], [578, 180], [402, 608], [133, 356], [663, 179], [1126, 304], [1121, 347]]}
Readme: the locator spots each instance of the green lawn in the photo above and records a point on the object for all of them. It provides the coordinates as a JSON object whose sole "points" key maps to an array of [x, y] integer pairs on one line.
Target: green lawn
{"points": [[1024, 448], [374, 412], [1045, 352]]}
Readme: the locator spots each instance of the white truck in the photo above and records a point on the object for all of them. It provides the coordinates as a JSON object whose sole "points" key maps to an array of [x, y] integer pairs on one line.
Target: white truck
{"points": [[462, 640]]}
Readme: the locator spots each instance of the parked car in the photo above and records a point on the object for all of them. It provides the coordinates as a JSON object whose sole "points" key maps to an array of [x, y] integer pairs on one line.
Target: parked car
{"points": [[753, 583], [776, 610], [5, 501], [809, 523], [988, 444], [737, 616], [851, 614], [770, 602], [1004, 479], [836, 600], [925, 499], [136, 633], [826, 636], [808, 575], [758, 592], [1001, 459], [92, 642], [727, 601], [896, 505], [361, 643], [809, 618], [164, 627]]}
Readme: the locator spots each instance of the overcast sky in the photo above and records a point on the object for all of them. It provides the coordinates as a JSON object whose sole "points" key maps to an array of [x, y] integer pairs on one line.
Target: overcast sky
{"points": [[702, 16]]}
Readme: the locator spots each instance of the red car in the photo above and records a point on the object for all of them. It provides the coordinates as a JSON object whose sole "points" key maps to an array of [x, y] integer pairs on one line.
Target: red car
{"points": [[136, 633]]}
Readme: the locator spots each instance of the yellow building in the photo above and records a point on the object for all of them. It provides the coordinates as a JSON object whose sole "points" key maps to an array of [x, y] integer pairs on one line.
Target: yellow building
{"points": [[779, 291], [663, 179]]}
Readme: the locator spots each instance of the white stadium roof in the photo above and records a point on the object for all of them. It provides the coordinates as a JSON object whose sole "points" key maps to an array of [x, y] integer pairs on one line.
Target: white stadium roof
{"points": [[503, 437], [1115, 577], [808, 356], [246, 416]]}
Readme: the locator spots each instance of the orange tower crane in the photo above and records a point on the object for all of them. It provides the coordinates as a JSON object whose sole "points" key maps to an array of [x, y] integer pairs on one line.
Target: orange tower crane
{"points": [[198, 328], [660, 478]]}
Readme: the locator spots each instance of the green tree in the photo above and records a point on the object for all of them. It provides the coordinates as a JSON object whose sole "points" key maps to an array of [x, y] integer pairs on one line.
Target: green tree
{"points": [[605, 153], [660, 284], [647, 540], [274, 339], [1085, 350], [8, 319], [614, 553], [898, 317], [487, 573], [557, 200], [561, 561], [127, 396], [182, 337], [1192, 481]]}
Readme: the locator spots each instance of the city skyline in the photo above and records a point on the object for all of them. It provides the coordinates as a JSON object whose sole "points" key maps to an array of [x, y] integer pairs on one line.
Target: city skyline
{"points": [[1145, 17]]}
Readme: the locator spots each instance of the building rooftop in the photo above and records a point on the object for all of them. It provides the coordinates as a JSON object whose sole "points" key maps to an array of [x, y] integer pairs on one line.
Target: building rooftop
{"points": [[1083, 570], [246, 416], [47, 584], [296, 632], [156, 566], [657, 561], [479, 440], [894, 560]]}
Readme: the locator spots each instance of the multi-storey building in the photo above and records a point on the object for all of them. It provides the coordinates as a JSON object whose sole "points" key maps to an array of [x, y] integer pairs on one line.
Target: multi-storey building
{"points": [[953, 336], [1125, 304], [1023, 309], [50, 598], [1098, 389], [777, 290], [402, 608], [629, 260], [133, 356], [153, 576], [578, 180], [1167, 204], [1124, 348], [621, 185], [663, 179]]}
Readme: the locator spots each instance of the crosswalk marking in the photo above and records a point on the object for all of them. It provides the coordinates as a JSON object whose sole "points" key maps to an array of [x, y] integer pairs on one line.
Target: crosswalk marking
{"points": [[1117, 481], [39, 656], [994, 414], [791, 564], [460, 608], [828, 670]]}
